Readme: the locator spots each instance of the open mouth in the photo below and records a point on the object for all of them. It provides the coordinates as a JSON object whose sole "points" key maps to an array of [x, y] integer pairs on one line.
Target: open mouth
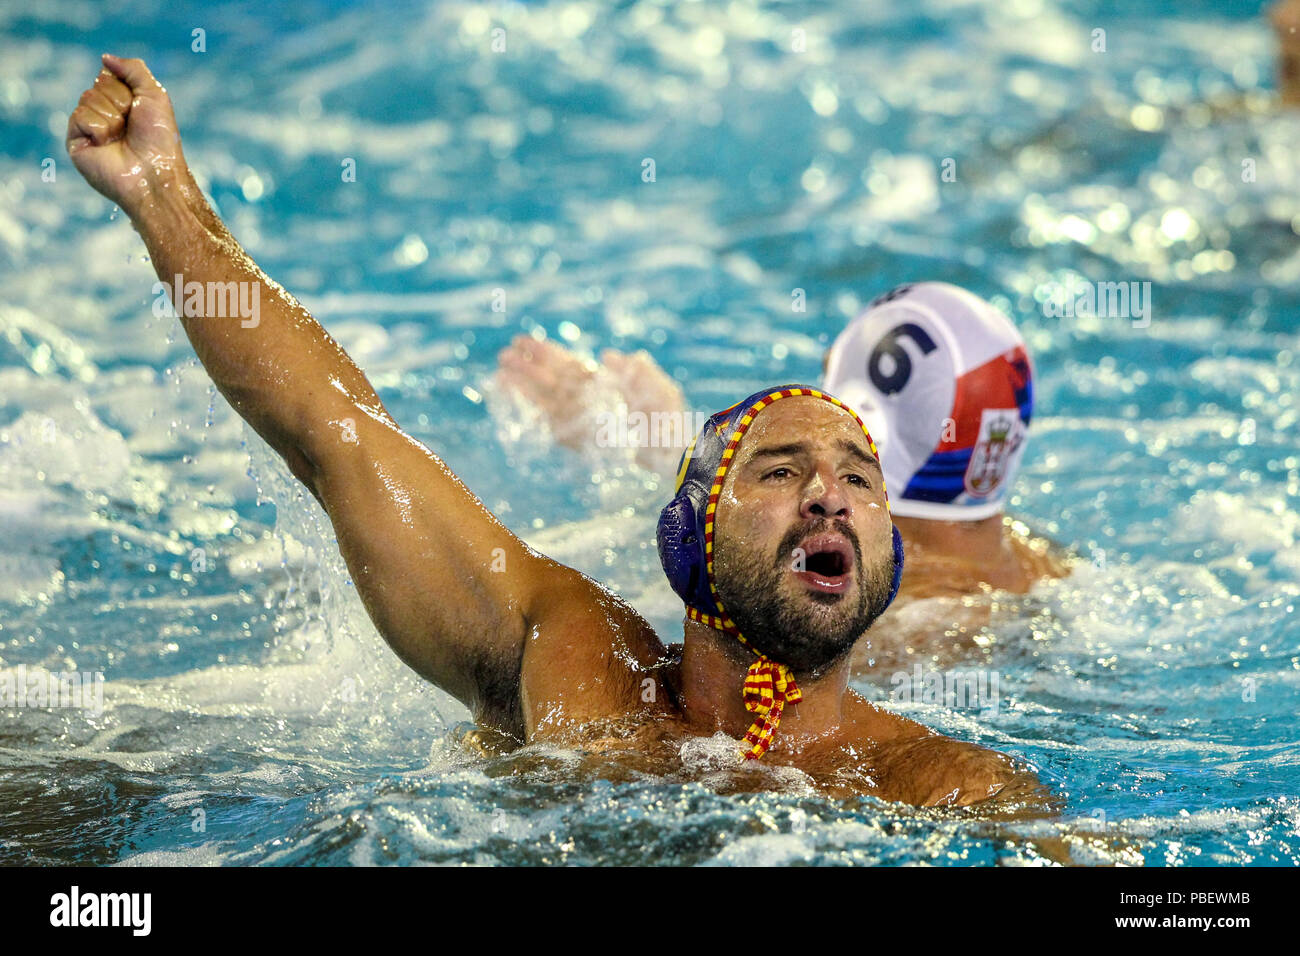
{"points": [[827, 564]]}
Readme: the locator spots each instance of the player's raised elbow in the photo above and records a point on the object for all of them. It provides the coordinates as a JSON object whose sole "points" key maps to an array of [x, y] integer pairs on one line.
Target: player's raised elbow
{"points": [[332, 435]]}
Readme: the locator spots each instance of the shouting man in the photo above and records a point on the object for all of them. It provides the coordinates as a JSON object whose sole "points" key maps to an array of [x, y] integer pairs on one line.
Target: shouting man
{"points": [[779, 538]]}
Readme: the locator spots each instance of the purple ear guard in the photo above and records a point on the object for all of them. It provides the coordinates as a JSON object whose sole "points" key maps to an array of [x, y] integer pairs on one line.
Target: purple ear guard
{"points": [[682, 523], [681, 546]]}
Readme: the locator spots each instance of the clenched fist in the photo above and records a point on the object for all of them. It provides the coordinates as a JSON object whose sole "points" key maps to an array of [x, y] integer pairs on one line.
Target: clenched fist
{"points": [[122, 136]]}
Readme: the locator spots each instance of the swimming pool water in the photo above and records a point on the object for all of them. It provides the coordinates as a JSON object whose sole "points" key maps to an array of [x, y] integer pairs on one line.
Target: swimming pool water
{"points": [[150, 536]]}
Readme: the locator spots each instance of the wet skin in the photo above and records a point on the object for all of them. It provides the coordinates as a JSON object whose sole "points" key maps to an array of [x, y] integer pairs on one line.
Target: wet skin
{"points": [[535, 649], [952, 567]]}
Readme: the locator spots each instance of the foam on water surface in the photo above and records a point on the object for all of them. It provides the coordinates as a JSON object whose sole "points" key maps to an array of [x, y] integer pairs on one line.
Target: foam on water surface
{"points": [[148, 535]]}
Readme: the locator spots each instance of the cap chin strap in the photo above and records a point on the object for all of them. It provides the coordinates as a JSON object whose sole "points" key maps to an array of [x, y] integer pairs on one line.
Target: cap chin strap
{"points": [[769, 686]]}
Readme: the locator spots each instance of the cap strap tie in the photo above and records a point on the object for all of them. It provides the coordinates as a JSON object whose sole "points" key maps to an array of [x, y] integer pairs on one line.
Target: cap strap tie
{"points": [[769, 686]]}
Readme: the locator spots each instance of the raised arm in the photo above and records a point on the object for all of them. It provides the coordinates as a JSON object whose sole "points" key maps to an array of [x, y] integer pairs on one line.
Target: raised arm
{"points": [[457, 596], [277, 367]]}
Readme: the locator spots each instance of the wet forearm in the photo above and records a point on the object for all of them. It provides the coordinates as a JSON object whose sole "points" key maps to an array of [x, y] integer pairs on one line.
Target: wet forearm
{"points": [[275, 364]]}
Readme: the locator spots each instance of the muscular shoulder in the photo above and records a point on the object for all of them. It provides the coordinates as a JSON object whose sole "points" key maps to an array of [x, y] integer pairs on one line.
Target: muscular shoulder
{"points": [[936, 771], [871, 726], [588, 656], [913, 764]]}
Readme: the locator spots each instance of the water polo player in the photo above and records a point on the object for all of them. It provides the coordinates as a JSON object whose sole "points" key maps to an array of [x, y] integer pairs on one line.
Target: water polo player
{"points": [[785, 560]]}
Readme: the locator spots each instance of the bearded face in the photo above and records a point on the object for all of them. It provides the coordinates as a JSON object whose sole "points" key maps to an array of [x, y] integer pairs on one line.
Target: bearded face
{"points": [[780, 608], [803, 556]]}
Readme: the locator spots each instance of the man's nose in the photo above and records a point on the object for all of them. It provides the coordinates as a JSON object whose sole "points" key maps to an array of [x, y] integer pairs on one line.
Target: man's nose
{"points": [[824, 497]]}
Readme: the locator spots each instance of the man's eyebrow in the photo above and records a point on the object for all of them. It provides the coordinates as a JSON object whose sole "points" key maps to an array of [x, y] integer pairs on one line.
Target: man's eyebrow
{"points": [[780, 451], [860, 453], [792, 449]]}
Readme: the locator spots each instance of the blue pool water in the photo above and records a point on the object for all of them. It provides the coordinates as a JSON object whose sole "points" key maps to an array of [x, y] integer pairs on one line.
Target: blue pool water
{"points": [[252, 715]]}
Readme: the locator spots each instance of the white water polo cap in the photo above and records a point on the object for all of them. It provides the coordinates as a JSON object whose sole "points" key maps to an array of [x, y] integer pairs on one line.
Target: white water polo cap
{"points": [[943, 381]]}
